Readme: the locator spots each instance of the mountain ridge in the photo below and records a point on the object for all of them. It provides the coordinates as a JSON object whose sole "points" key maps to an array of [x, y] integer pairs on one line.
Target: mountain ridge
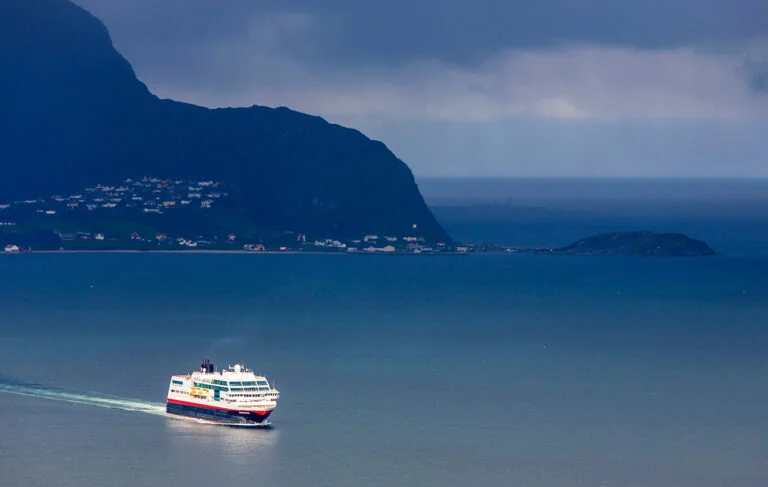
{"points": [[74, 114]]}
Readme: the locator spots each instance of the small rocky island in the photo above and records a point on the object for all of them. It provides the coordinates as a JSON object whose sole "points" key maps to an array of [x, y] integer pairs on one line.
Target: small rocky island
{"points": [[629, 243], [638, 243]]}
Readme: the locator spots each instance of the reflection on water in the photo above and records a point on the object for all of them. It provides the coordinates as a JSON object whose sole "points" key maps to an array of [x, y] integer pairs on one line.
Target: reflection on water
{"points": [[240, 446]]}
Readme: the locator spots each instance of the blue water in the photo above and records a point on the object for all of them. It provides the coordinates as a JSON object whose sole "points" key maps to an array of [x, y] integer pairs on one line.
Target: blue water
{"points": [[430, 371]]}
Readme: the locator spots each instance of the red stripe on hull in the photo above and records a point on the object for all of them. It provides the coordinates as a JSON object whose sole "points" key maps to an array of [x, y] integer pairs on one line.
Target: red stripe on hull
{"points": [[198, 405]]}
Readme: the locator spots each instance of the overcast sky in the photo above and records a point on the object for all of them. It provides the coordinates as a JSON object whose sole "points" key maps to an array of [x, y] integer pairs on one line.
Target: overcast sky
{"points": [[481, 87]]}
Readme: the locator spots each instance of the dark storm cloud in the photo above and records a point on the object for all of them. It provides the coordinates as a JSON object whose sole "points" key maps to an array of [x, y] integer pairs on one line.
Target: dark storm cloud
{"points": [[458, 31]]}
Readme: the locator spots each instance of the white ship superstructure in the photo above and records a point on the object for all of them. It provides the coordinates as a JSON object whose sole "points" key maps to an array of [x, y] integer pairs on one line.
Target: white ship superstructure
{"points": [[232, 396]]}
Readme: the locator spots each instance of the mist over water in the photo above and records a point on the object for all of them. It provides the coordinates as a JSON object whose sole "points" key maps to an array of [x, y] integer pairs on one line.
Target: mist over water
{"points": [[478, 370]]}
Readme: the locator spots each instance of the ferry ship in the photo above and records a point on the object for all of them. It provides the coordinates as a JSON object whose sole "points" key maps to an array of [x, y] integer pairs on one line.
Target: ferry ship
{"points": [[234, 396]]}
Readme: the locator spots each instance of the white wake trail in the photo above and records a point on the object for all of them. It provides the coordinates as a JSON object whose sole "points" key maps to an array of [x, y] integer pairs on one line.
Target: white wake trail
{"points": [[72, 396]]}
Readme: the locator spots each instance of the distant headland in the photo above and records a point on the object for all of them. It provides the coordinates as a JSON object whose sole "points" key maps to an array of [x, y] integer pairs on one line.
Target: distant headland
{"points": [[74, 115]]}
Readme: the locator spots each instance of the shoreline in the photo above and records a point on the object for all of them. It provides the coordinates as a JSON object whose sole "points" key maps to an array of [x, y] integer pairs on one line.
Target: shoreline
{"points": [[237, 252]]}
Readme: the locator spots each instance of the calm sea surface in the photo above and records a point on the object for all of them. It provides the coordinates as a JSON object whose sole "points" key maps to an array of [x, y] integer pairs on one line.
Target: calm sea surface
{"points": [[483, 370]]}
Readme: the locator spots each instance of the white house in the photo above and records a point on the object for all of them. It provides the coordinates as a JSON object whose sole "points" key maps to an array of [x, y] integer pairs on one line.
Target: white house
{"points": [[388, 248]]}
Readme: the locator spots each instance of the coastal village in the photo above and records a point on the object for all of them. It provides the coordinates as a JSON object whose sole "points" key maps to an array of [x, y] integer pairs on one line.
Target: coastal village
{"points": [[150, 195], [153, 197]]}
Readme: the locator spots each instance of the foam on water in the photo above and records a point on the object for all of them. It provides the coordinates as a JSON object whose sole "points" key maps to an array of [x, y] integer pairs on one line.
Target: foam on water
{"points": [[14, 386]]}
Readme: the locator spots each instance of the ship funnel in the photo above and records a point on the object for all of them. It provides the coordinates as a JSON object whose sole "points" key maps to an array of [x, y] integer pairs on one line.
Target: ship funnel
{"points": [[206, 366]]}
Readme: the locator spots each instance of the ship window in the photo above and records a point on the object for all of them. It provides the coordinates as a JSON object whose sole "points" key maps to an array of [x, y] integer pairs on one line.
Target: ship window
{"points": [[177, 382], [249, 383], [263, 383], [235, 383]]}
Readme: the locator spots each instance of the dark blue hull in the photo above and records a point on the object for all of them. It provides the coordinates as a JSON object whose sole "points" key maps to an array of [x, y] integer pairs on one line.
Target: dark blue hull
{"points": [[222, 416]]}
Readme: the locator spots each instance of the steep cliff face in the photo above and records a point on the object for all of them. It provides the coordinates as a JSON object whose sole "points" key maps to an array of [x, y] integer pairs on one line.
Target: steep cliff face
{"points": [[73, 114]]}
